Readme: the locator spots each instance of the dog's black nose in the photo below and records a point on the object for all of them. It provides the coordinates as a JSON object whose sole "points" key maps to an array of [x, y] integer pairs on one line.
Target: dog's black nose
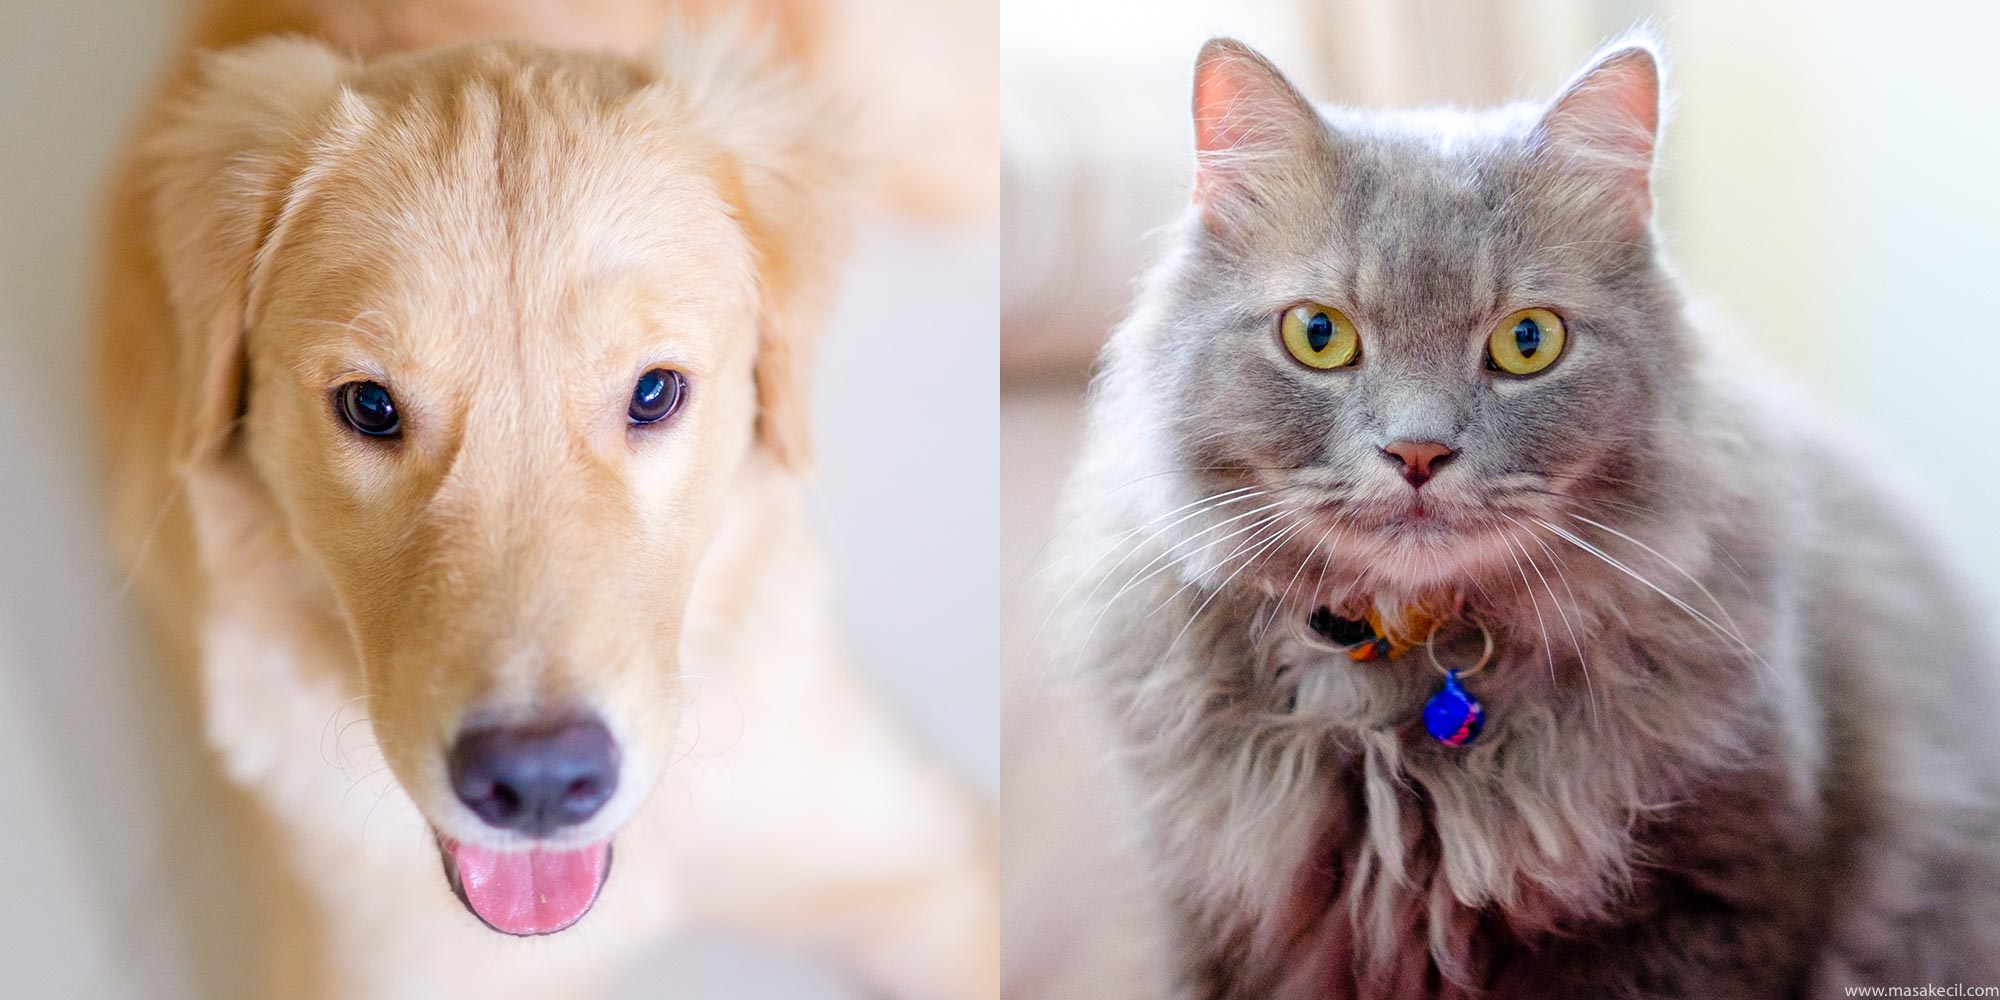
{"points": [[535, 777]]}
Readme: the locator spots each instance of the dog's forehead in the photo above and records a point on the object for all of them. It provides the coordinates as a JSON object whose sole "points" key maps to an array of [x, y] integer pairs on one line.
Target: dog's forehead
{"points": [[503, 207]]}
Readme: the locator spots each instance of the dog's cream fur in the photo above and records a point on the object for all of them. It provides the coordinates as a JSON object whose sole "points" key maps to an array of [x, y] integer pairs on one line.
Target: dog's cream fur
{"points": [[510, 235]]}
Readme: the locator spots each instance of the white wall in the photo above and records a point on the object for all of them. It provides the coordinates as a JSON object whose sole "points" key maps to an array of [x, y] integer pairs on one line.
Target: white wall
{"points": [[1832, 176], [107, 812]]}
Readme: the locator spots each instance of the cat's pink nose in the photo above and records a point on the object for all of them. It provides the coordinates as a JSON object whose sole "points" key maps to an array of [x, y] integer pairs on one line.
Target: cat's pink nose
{"points": [[1420, 459]]}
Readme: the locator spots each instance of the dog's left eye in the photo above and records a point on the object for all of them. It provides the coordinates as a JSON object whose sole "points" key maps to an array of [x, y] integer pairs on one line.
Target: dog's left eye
{"points": [[657, 395], [367, 407]]}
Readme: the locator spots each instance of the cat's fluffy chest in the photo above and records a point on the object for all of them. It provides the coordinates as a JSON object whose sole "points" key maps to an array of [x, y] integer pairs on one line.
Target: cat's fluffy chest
{"points": [[1325, 838]]}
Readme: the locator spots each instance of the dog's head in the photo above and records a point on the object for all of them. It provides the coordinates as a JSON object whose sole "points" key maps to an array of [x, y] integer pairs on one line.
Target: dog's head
{"points": [[491, 330]]}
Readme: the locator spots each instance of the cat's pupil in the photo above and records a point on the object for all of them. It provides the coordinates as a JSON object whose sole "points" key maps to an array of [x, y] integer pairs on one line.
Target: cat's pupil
{"points": [[1527, 337], [1319, 332]]}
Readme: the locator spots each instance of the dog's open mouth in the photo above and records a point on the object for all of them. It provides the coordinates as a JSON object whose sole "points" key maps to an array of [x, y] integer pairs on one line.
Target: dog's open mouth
{"points": [[527, 892]]}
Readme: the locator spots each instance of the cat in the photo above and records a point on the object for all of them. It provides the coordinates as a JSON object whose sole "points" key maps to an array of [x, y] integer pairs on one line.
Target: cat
{"points": [[1407, 383]]}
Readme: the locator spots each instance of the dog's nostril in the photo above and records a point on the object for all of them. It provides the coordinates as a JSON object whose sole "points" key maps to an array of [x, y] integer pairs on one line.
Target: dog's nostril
{"points": [[583, 798], [535, 777]]}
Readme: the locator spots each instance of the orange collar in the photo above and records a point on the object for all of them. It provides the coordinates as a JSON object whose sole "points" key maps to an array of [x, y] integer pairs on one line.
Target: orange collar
{"points": [[1402, 629]]}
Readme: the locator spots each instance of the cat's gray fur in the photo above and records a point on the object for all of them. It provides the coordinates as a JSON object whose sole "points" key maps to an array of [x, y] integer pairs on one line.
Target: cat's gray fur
{"points": [[1689, 816]]}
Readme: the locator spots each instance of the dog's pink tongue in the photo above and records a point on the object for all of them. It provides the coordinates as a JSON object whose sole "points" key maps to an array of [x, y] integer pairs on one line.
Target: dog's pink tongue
{"points": [[533, 891]]}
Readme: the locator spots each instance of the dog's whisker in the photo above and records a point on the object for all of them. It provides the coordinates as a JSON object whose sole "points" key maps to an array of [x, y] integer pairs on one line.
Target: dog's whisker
{"points": [[328, 728], [387, 788]]}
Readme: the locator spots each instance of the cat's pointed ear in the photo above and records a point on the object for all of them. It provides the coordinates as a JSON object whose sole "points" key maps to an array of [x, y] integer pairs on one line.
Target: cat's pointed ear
{"points": [[1246, 114], [1605, 125]]}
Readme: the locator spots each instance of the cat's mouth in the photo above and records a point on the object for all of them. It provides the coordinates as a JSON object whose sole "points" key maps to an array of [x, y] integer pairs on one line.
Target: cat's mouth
{"points": [[1419, 518], [1406, 538], [1420, 542], [1417, 514]]}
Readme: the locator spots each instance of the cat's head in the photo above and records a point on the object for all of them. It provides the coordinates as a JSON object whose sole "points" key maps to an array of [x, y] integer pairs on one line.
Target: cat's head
{"points": [[1410, 334]]}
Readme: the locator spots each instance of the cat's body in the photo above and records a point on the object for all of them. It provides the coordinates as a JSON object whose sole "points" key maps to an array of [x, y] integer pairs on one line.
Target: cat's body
{"points": [[1754, 758]]}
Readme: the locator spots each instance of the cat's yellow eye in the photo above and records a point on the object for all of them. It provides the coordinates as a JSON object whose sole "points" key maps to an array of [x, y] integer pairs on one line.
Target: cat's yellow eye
{"points": [[1526, 342], [1320, 336]]}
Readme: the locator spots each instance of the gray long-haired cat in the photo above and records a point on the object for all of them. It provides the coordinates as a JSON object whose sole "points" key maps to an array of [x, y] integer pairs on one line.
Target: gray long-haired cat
{"points": [[1426, 376]]}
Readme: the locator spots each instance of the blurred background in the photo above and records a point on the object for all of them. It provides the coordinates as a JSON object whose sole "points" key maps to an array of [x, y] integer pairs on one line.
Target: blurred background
{"points": [[118, 883], [1825, 185]]}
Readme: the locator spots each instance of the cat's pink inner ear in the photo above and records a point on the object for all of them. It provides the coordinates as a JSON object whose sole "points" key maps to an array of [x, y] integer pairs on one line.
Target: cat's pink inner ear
{"points": [[1613, 111], [1609, 120], [1227, 81], [1243, 107]]}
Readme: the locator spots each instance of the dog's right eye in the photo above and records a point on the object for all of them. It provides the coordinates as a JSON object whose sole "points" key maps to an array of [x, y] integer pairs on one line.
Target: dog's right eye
{"points": [[657, 395], [367, 407]]}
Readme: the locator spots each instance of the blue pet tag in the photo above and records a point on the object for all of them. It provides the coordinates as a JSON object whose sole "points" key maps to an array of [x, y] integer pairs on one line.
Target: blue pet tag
{"points": [[1453, 715]]}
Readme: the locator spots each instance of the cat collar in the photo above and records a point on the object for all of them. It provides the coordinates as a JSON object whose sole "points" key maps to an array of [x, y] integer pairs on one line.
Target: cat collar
{"points": [[1451, 715]]}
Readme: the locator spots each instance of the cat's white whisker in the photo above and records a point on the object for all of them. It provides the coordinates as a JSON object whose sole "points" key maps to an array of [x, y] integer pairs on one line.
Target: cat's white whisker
{"points": [[1119, 538], [1582, 662], [1256, 538], [1198, 507], [1303, 563], [1676, 567], [1218, 591], [1137, 578], [1535, 602], [1696, 613], [1173, 561], [1112, 601]]}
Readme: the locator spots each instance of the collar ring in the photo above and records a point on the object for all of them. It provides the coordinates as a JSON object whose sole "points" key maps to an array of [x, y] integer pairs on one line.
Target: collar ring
{"points": [[1485, 656]]}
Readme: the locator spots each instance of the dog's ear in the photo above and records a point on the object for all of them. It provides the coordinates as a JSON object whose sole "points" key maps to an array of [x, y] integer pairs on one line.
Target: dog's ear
{"points": [[224, 164], [787, 175]]}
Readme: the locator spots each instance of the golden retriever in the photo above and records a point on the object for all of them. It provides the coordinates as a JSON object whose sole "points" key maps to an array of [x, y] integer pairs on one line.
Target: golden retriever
{"points": [[468, 384]]}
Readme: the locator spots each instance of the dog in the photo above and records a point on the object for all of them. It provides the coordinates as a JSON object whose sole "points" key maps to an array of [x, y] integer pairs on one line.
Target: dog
{"points": [[463, 383]]}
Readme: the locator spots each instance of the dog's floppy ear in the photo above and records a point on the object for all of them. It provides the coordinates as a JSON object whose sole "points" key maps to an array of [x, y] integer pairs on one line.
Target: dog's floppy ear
{"points": [[787, 175], [223, 165]]}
